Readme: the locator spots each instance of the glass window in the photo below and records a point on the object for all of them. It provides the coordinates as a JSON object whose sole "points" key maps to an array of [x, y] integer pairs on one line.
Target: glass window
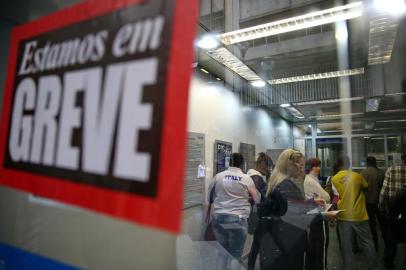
{"points": [[362, 147], [395, 149]]}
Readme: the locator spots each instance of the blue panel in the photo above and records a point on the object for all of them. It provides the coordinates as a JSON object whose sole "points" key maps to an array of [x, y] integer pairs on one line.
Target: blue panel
{"points": [[12, 258]]}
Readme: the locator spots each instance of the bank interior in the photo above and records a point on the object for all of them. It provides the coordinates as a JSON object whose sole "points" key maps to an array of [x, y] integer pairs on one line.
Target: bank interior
{"points": [[327, 78]]}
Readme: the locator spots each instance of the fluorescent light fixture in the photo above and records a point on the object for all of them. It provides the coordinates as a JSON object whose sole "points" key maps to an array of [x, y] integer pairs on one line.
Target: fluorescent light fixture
{"points": [[335, 115], [312, 19], [218, 79], [395, 94], [323, 101], [391, 121], [393, 111], [333, 131], [284, 105], [205, 71], [391, 128], [295, 112], [208, 42], [225, 57], [382, 35], [393, 7], [259, 83], [318, 76]]}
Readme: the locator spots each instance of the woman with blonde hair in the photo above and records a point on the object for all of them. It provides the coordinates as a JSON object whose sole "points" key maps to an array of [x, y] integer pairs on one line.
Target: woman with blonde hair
{"points": [[284, 239]]}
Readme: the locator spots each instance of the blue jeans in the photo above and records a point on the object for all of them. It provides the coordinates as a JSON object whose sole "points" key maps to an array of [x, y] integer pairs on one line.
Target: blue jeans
{"points": [[230, 231]]}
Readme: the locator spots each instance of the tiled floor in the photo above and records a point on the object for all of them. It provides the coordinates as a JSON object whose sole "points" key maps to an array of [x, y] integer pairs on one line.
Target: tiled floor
{"points": [[193, 228]]}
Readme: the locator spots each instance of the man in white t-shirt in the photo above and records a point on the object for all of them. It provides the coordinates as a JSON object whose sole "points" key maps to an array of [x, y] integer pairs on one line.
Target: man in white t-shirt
{"points": [[231, 206]]}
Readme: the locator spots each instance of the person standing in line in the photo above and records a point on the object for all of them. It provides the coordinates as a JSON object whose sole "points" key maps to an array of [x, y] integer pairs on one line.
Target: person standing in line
{"points": [[284, 235], [316, 255], [231, 207], [354, 218], [394, 186], [259, 175], [374, 178]]}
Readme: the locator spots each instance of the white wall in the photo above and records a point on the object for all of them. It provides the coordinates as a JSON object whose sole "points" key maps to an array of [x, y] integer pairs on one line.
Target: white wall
{"points": [[217, 112]]}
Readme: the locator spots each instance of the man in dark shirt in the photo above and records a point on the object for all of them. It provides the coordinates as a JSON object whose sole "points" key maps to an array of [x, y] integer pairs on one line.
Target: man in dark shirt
{"points": [[374, 177]]}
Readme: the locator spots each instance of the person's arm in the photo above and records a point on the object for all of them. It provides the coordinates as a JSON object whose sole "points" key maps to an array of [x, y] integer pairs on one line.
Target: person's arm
{"points": [[308, 188], [252, 190], [384, 195], [321, 193], [260, 185], [364, 183], [336, 195], [211, 193], [255, 195]]}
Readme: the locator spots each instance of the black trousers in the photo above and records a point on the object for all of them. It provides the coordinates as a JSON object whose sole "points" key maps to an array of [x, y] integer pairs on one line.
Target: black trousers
{"points": [[252, 257], [374, 215], [316, 255]]}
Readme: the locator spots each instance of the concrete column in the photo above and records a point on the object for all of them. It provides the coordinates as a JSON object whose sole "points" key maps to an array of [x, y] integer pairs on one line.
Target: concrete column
{"points": [[231, 23], [344, 83]]}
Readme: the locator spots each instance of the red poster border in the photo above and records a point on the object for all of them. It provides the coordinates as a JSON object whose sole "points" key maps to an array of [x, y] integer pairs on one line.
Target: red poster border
{"points": [[163, 211]]}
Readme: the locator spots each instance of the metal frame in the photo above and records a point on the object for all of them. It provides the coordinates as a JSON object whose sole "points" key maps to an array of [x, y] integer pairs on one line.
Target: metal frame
{"points": [[349, 140]]}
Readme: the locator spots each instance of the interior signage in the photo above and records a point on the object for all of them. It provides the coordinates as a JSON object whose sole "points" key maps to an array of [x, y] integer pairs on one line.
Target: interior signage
{"points": [[95, 105]]}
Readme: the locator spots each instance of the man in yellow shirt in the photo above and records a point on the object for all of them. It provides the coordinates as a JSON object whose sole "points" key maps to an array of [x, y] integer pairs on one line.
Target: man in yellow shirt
{"points": [[354, 218]]}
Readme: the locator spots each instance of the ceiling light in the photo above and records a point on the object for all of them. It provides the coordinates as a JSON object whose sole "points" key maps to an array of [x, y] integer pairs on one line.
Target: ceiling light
{"points": [[259, 83], [295, 112], [393, 7], [309, 126], [391, 128], [394, 94], [205, 71], [326, 16], [318, 130], [208, 41], [225, 57], [323, 101], [284, 105], [394, 111], [218, 79], [335, 115], [391, 121], [382, 35], [319, 76]]}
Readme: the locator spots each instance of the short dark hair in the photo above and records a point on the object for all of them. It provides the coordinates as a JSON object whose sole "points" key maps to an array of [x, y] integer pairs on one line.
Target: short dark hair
{"points": [[310, 163], [371, 161], [263, 159], [343, 162], [236, 160]]}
